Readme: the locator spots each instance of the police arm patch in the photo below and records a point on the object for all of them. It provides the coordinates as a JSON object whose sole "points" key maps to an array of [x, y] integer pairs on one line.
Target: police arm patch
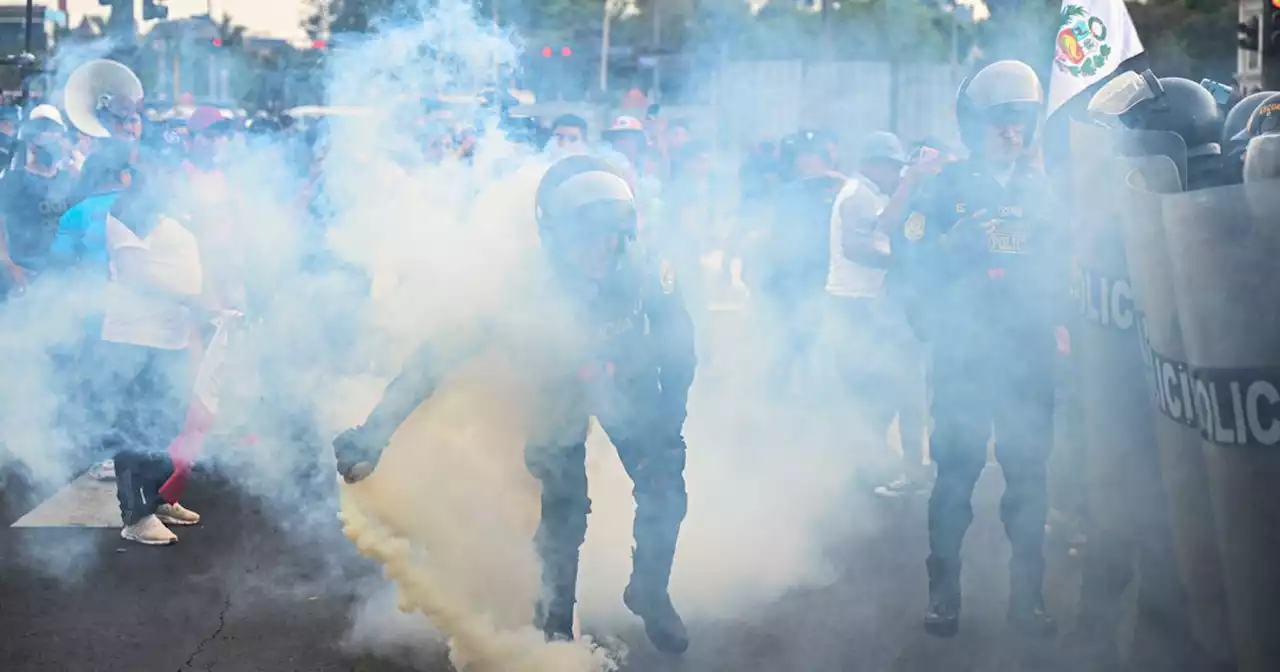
{"points": [[667, 276], [914, 228]]}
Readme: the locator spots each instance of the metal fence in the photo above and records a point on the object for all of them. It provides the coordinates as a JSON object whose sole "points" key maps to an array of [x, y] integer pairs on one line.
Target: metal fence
{"points": [[752, 101]]}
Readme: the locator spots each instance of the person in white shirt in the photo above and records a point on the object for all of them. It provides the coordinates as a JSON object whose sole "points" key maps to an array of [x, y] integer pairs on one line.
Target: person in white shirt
{"points": [[148, 329], [884, 366]]}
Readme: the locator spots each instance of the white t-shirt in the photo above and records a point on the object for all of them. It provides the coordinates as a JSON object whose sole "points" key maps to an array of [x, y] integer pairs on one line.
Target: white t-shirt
{"points": [[859, 198], [151, 310]]}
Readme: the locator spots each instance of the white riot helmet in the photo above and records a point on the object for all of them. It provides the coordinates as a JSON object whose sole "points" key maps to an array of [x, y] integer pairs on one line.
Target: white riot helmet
{"points": [[1003, 91]]}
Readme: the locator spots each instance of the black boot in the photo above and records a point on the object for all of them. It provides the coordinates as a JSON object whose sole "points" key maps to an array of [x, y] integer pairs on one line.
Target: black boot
{"points": [[943, 618], [555, 619], [661, 622], [1027, 614]]}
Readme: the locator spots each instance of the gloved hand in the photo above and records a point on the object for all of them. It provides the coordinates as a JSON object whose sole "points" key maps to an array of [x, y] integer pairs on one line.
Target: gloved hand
{"points": [[969, 236], [356, 459]]}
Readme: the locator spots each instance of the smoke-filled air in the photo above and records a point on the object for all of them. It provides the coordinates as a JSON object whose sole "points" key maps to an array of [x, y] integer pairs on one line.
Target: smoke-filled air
{"points": [[630, 335]]}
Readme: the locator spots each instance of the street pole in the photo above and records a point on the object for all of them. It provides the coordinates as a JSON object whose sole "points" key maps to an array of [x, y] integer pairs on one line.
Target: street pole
{"points": [[26, 40], [657, 57], [604, 48], [955, 43], [23, 72]]}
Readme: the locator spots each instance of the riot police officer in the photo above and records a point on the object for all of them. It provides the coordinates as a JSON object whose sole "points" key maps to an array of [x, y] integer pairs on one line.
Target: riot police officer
{"points": [[985, 269], [1261, 159], [633, 373], [1235, 132], [790, 254], [1172, 104]]}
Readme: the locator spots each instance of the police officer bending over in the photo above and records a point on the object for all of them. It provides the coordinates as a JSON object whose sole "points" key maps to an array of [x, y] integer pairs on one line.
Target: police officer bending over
{"points": [[988, 281], [633, 373]]}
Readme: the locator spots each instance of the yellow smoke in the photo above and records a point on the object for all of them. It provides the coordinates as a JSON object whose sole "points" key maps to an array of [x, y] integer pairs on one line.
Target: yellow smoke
{"points": [[451, 512]]}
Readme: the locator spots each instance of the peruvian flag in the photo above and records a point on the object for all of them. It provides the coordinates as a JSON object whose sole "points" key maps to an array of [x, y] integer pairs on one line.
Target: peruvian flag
{"points": [[186, 448], [1094, 38]]}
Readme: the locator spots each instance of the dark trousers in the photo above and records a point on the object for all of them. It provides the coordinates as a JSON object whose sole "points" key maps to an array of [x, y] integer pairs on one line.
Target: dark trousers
{"points": [[652, 451], [978, 387], [152, 392], [882, 367]]}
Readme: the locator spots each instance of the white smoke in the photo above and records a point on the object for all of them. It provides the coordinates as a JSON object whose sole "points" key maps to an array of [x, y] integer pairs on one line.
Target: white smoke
{"points": [[451, 511]]}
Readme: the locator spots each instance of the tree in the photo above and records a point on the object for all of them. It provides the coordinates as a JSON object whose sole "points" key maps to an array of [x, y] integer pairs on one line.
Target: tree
{"points": [[231, 33], [1185, 38]]}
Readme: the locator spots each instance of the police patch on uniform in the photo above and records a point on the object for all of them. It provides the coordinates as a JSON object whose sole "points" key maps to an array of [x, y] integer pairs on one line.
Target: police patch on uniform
{"points": [[667, 275], [914, 229]]}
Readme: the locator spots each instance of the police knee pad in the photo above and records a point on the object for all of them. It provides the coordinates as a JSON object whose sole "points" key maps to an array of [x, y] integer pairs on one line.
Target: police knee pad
{"points": [[662, 497], [564, 520]]}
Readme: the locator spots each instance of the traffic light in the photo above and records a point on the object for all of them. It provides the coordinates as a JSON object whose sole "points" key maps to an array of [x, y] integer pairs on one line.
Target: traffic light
{"points": [[566, 52], [151, 11], [1249, 31], [1273, 28], [319, 44], [217, 41]]}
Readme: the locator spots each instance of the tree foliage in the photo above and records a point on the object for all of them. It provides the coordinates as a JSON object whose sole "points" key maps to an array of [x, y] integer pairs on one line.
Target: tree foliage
{"points": [[1183, 38]]}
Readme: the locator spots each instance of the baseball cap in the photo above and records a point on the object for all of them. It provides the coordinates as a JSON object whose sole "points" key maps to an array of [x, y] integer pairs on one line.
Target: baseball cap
{"points": [[204, 118], [47, 111], [625, 123], [881, 145]]}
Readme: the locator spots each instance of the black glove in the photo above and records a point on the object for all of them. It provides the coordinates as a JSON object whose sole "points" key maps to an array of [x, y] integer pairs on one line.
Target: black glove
{"points": [[356, 459]]}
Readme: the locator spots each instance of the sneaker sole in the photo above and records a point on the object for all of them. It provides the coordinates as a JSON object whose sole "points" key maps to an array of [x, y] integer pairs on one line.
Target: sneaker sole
{"points": [[944, 629], [149, 542], [168, 520]]}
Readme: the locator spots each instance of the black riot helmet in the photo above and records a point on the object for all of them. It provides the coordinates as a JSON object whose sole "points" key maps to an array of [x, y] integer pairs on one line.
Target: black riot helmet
{"points": [[1140, 101], [586, 214], [1262, 153], [1002, 92], [1237, 121]]}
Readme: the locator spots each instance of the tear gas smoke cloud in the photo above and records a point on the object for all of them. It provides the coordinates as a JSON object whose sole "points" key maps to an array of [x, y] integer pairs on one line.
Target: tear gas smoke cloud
{"points": [[452, 510]]}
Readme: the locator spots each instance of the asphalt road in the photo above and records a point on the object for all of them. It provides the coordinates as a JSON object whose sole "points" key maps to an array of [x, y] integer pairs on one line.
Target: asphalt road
{"points": [[236, 595]]}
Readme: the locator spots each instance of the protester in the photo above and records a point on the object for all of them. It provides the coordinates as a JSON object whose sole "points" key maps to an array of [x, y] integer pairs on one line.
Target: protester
{"points": [[33, 197], [882, 358], [148, 327], [79, 251], [569, 132]]}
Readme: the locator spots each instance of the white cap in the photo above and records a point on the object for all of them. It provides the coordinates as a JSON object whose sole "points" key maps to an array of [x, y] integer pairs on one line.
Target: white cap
{"points": [[47, 111]]}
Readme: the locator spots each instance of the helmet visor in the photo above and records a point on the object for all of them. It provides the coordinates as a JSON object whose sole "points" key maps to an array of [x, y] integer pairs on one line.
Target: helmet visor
{"points": [[1262, 158], [1120, 95]]}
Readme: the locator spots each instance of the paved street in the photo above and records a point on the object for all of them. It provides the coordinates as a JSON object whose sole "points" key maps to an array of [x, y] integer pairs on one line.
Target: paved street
{"points": [[237, 595]]}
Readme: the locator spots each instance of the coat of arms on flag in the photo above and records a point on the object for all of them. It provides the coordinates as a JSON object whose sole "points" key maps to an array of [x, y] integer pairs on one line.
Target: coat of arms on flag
{"points": [[1082, 49]]}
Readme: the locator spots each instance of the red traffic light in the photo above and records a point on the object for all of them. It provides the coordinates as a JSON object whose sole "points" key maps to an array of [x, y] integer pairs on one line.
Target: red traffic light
{"points": [[321, 44], [217, 42], [1275, 4], [546, 52], [567, 52]]}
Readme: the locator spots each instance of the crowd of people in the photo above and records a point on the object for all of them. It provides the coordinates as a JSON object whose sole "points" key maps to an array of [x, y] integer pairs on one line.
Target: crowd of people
{"points": [[941, 268]]}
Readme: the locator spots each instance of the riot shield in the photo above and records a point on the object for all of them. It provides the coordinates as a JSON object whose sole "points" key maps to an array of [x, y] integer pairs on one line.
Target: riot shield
{"points": [[1223, 245], [1182, 462], [1125, 492]]}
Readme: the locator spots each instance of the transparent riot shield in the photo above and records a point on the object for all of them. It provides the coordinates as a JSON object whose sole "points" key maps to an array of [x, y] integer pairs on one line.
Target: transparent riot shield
{"points": [[1182, 460], [1127, 504], [1224, 247]]}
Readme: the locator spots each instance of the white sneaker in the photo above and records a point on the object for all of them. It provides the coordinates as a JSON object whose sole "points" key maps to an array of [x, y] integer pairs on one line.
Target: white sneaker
{"points": [[903, 487], [103, 471], [149, 531], [176, 514]]}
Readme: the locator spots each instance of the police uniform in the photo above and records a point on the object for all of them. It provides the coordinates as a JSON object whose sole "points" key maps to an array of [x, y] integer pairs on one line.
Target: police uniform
{"points": [[988, 307], [988, 282], [632, 371]]}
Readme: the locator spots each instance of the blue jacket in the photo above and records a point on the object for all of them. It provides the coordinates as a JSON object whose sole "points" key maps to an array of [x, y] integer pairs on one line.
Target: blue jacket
{"points": [[82, 234]]}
